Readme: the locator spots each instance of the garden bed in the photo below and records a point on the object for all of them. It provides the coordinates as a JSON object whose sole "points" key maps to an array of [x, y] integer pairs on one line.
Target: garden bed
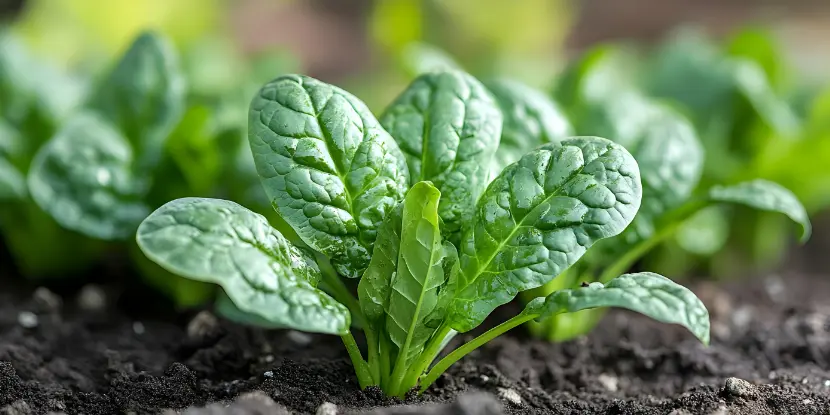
{"points": [[85, 356]]}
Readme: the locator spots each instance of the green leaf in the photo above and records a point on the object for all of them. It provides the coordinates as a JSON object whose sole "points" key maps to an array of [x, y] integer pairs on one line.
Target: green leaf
{"points": [[448, 126], [225, 307], [538, 217], [669, 156], [647, 293], [768, 196], [414, 289], [12, 182], [221, 242], [143, 95], [601, 73], [418, 58], [82, 177], [328, 167], [530, 120], [373, 289]]}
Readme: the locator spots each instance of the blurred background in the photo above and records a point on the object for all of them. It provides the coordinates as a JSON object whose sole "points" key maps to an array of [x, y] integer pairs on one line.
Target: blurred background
{"points": [[375, 48]]}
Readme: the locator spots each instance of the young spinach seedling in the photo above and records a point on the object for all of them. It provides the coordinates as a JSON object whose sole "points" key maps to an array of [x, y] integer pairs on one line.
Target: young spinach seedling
{"points": [[406, 205]]}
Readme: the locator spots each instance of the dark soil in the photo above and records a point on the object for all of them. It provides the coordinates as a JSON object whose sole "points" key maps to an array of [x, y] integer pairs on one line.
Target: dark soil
{"points": [[142, 357]]}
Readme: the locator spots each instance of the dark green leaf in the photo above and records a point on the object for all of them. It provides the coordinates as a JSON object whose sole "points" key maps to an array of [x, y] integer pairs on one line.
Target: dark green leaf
{"points": [[221, 242], [414, 289], [448, 126], [530, 120], [82, 177], [647, 293], [765, 195], [143, 95], [327, 165], [539, 217]]}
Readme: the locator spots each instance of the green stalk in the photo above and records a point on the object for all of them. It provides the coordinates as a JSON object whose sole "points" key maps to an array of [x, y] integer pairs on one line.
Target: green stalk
{"points": [[385, 362], [361, 368], [374, 355], [465, 349], [335, 286], [427, 356]]}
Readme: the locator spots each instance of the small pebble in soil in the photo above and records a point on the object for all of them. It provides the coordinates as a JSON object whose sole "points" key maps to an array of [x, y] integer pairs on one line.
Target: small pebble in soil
{"points": [[326, 408], [92, 298], [807, 402], [722, 410], [138, 327], [19, 407], [298, 337], [827, 383], [608, 381], [202, 326], [510, 395], [27, 319], [739, 387], [269, 374], [47, 300], [680, 412]]}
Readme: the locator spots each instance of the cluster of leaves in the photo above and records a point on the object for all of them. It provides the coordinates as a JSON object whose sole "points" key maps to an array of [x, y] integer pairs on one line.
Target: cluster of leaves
{"points": [[416, 213], [83, 162]]}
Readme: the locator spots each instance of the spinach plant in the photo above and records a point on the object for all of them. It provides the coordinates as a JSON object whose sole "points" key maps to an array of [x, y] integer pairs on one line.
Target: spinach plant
{"points": [[406, 208], [670, 159]]}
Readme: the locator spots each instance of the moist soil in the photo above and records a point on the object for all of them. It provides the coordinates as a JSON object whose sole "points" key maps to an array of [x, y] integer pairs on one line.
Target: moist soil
{"points": [[118, 348]]}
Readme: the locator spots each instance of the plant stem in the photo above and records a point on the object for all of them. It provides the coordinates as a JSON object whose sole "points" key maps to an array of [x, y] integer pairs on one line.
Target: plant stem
{"points": [[343, 295], [670, 227], [374, 355], [427, 356], [468, 347], [361, 368], [385, 361]]}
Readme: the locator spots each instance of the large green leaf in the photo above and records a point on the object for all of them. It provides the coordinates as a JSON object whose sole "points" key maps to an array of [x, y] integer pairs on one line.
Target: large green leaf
{"points": [[768, 196], [414, 289], [221, 242], [82, 177], [143, 94], [530, 120], [647, 293], [448, 126], [327, 165], [538, 217], [667, 151]]}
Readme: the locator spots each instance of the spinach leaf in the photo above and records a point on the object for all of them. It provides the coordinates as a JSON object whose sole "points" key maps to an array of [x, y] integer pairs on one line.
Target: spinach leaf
{"points": [[373, 289], [82, 177], [530, 120], [221, 242], [143, 95], [768, 196], [647, 293], [12, 181], [448, 126], [328, 167], [414, 289], [538, 217]]}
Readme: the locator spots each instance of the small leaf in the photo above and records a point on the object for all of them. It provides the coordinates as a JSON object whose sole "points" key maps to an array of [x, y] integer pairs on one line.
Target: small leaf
{"points": [[373, 289], [82, 177], [414, 289], [647, 293], [530, 120], [221, 242], [538, 217], [765, 195], [143, 95], [448, 126], [328, 167]]}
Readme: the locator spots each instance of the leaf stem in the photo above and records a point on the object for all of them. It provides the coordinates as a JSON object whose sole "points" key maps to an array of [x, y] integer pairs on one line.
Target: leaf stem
{"points": [[374, 354], [429, 354], [468, 347], [335, 286], [361, 368], [670, 227]]}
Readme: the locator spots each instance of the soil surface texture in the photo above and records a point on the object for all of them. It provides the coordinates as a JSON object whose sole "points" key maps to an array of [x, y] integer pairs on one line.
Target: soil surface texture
{"points": [[96, 350]]}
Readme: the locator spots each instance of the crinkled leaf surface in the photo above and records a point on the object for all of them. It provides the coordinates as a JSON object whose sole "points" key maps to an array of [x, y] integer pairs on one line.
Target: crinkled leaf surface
{"points": [[765, 195], [414, 289], [647, 293], [448, 126], [538, 217], [221, 242], [667, 151], [143, 95], [82, 177], [530, 120], [327, 165]]}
